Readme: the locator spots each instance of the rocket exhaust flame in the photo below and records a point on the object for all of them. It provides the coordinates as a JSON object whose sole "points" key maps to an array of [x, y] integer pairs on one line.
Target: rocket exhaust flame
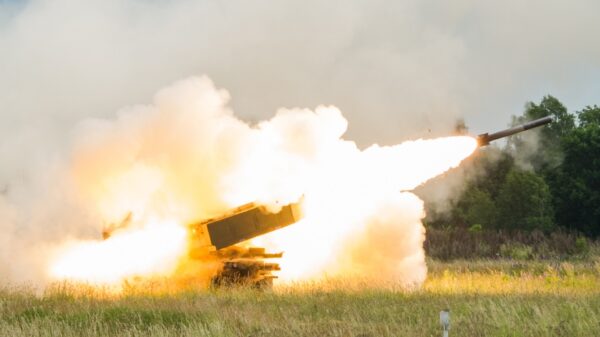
{"points": [[151, 251], [187, 158]]}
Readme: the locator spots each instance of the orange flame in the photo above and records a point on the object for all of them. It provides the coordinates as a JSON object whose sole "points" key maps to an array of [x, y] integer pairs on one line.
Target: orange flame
{"points": [[152, 250]]}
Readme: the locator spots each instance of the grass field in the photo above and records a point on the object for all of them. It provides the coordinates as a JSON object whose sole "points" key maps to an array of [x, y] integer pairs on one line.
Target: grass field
{"points": [[486, 298]]}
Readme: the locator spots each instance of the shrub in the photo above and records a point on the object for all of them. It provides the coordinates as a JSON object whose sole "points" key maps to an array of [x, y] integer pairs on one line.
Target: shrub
{"points": [[462, 243], [582, 246], [516, 251]]}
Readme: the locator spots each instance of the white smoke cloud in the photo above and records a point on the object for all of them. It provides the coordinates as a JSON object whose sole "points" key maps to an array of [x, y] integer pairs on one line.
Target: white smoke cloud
{"points": [[187, 157], [397, 70]]}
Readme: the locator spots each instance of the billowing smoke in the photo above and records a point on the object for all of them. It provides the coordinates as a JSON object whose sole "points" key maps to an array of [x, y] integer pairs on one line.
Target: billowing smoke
{"points": [[187, 157], [398, 70]]}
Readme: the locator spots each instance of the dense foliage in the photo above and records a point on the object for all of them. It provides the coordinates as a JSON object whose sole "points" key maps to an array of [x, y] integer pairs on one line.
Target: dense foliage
{"points": [[546, 179]]}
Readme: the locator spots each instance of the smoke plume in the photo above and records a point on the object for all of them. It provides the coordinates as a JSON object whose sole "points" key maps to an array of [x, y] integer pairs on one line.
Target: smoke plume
{"points": [[187, 157], [398, 70]]}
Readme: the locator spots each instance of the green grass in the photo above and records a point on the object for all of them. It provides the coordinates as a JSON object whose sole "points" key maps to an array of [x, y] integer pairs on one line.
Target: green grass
{"points": [[486, 298]]}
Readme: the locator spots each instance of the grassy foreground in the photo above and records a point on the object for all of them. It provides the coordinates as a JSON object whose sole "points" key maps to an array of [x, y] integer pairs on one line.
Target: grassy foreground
{"points": [[486, 298]]}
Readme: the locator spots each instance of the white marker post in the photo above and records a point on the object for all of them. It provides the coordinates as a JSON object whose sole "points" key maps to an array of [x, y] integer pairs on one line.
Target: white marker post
{"points": [[445, 321]]}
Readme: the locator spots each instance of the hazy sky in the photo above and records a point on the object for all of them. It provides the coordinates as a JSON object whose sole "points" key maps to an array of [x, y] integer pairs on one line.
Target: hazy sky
{"points": [[396, 69]]}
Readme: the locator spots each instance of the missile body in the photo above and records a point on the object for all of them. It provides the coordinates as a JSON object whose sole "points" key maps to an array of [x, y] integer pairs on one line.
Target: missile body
{"points": [[485, 138]]}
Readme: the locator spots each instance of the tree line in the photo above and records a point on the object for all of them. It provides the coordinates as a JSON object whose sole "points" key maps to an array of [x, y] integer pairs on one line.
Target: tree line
{"points": [[546, 179]]}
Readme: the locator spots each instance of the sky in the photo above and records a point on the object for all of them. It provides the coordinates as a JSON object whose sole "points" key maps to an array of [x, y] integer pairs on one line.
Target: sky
{"points": [[397, 69]]}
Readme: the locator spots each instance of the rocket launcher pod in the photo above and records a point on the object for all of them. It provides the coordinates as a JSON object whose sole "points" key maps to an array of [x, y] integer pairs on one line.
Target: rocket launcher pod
{"points": [[485, 138], [244, 223]]}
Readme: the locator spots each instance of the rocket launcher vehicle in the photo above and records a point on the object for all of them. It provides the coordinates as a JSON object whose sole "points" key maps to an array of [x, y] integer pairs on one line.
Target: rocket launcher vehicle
{"points": [[220, 237], [246, 265], [217, 239]]}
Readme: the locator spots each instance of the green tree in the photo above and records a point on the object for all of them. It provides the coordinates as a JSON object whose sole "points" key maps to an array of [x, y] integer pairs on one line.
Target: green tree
{"points": [[589, 116], [524, 202], [476, 207], [486, 172], [564, 182], [576, 187], [541, 148], [563, 121], [492, 164]]}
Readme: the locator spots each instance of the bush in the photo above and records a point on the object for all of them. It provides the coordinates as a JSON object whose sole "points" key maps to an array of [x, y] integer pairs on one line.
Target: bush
{"points": [[582, 246], [516, 251], [476, 228], [461, 243]]}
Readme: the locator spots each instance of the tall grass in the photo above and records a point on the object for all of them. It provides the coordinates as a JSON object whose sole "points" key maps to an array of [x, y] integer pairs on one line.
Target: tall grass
{"points": [[486, 298]]}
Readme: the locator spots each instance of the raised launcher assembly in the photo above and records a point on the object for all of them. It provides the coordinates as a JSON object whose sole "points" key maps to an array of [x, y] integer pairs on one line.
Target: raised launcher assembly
{"points": [[218, 237], [485, 138]]}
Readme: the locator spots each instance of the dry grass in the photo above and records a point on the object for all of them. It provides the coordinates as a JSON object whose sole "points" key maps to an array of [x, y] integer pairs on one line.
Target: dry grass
{"points": [[486, 298]]}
